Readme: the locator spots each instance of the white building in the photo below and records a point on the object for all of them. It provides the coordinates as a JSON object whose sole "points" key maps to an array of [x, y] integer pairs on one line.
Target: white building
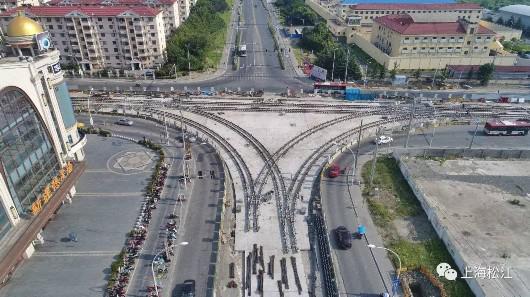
{"points": [[102, 38], [41, 151], [175, 11], [8, 4], [363, 14]]}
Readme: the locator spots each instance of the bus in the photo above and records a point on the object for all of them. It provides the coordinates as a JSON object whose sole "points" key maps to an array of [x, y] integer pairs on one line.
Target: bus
{"points": [[330, 88], [242, 50], [507, 127]]}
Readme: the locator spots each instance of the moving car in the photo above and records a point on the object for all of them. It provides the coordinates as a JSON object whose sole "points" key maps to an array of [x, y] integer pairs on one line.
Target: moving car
{"points": [[343, 237], [333, 171], [383, 140], [188, 288], [124, 122]]}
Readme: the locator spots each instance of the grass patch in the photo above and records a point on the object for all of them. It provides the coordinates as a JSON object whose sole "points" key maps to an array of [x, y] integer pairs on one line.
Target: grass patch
{"points": [[391, 198], [215, 51], [388, 179]]}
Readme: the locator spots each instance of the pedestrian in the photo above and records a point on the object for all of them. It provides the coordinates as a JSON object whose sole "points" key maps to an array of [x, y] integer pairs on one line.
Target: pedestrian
{"points": [[72, 236]]}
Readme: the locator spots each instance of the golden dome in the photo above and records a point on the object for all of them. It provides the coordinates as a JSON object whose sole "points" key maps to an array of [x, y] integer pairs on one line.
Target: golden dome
{"points": [[23, 26]]}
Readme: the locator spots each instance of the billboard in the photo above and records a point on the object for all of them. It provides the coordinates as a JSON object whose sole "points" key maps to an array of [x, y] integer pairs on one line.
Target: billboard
{"points": [[319, 72], [43, 41]]}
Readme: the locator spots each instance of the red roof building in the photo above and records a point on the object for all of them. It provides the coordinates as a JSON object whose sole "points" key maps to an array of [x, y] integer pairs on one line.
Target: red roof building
{"points": [[402, 35], [366, 13], [405, 24], [63, 11]]}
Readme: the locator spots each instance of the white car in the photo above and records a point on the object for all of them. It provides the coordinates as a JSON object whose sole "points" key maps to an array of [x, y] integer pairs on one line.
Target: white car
{"points": [[383, 140], [124, 122]]}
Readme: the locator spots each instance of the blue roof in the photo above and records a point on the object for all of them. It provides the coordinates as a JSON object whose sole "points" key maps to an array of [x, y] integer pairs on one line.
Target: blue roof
{"points": [[352, 2]]}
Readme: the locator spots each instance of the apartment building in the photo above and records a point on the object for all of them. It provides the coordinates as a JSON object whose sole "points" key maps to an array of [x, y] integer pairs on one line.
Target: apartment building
{"points": [[364, 14], [174, 11], [8, 4], [401, 35], [98, 38]]}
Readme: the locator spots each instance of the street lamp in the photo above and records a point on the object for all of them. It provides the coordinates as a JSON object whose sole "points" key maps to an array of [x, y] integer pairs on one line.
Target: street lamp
{"points": [[373, 246], [184, 243]]}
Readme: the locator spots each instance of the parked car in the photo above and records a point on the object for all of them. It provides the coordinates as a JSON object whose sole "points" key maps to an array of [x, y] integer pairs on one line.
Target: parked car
{"points": [[333, 171], [343, 237], [188, 288], [383, 140], [466, 87], [385, 294], [124, 122]]}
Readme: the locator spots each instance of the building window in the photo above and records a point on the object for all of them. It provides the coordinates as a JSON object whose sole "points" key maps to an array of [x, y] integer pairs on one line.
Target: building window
{"points": [[26, 151]]}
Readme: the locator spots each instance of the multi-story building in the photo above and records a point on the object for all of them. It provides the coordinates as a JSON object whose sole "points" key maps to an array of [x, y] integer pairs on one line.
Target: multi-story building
{"points": [[97, 38], [41, 152], [401, 35], [364, 14], [175, 11], [8, 4]]}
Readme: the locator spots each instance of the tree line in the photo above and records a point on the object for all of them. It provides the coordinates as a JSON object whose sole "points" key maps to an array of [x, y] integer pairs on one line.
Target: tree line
{"points": [[296, 12], [191, 41], [321, 42]]}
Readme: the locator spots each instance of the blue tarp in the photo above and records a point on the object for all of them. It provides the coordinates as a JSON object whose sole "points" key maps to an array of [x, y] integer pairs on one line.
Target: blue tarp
{"points": [[352, 2]]}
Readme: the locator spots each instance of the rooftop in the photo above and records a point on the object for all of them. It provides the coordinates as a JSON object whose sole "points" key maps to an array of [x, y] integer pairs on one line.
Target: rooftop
{"points": [[89, 11], [388, 2], [109, 2], [415, 6], [405, 24], [517, 9]]}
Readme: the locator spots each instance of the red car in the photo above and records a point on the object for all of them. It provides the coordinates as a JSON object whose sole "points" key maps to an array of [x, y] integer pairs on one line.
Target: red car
{"points": [[333, 171]]}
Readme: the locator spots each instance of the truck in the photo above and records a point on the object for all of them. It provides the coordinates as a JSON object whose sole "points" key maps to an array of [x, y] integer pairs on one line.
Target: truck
{"points": [[242, 50]]}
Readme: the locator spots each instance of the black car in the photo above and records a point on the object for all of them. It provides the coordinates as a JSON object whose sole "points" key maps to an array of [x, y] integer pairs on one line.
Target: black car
{"points": [[343, 237], [188, 288]]}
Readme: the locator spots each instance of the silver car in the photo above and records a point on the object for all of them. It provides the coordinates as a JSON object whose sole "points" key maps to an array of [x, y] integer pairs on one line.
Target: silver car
{"points": [[124, 122]]}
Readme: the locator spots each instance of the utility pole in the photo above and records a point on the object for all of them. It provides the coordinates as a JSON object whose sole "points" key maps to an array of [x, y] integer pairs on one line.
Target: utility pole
{"points": [[346, 70], [333, 66], [183, 142], [410, 121], [474, 134], [432, 136], [358, 148], [372, 171]]}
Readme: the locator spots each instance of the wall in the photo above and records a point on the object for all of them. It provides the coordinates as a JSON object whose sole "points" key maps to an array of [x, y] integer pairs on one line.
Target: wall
{"points": [[430, 210], [503, 32]]}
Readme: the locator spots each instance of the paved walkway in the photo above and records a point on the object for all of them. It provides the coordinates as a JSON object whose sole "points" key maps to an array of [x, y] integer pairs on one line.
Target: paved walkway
{"points": [[102, 212]]}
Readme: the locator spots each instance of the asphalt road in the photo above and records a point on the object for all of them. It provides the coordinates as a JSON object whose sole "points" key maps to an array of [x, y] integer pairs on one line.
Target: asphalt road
{"points": [[195, 261], [357, 267]]}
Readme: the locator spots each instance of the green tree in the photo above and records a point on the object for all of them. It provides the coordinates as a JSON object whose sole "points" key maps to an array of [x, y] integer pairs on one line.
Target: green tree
{"points": [[382, 72], [417, 73], [393, 71], [485, 73]]}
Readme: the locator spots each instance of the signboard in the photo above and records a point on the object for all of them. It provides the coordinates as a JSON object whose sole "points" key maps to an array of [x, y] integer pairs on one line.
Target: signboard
{"points": [[56, 68], [319, 72], [43, 41]]}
